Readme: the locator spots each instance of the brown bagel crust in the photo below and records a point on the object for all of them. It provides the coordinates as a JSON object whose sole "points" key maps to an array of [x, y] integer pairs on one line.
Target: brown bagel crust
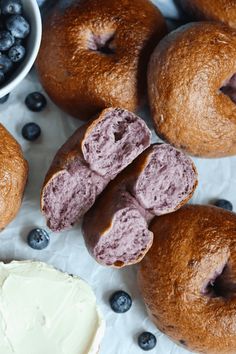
{"points": [[214, 10], [185, 75], [82, 81], [13, 177], [190, 248], [100, 216]]}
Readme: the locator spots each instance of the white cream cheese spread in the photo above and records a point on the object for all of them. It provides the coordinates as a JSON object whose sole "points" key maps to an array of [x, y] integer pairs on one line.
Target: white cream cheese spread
{"points": [[45, 311]]}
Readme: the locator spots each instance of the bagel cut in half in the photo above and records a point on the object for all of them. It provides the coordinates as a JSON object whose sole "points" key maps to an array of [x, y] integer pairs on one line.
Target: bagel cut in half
{"points": [[188, 278], [192, 89], [85, 164], [116, 228], [213, 10], [94, 53]]}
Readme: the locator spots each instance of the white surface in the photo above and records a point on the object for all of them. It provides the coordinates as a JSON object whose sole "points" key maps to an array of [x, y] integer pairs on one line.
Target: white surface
{"points": [[32, 13], [66, 250]]}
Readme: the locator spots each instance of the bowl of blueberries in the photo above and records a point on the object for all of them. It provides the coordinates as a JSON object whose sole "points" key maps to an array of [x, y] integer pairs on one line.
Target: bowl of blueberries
{"points": [[20, 37]]}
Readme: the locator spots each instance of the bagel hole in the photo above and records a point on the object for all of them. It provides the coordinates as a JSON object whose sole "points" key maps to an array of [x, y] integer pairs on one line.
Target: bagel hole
{"points": [[221, 285], [102, 43], [229, 88]]}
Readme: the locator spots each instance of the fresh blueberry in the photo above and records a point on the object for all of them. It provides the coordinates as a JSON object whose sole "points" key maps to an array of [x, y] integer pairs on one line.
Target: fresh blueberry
{"points": [[4, 98], [11, 7], [36, 101], [120, 301], [5, 63], [2, 21], [224, 204], [31, 131], [38, 239], [147, 341], [18, 26], [16, 53], [6, 40], [2, 76], [18, 41]]}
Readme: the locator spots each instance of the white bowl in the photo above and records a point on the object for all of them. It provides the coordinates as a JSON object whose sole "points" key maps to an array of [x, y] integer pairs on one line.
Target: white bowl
{"points": [[32, 13]]}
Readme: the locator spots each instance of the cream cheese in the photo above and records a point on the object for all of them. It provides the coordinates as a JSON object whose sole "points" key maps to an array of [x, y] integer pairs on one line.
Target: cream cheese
{"points": [[45, 311]]}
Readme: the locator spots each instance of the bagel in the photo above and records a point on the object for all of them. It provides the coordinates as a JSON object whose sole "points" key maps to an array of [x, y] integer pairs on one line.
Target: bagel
{"points": [[192, 89], [13, 177], [85, 164], [159, 181], [94, 53], [214, 10], [188, 278]]}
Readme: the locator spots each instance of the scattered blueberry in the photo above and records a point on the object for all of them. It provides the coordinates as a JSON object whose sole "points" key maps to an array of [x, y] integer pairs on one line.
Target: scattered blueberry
{"points": [[36, 101], [11, 7], [5, 63], [31, 131], [38, 239], [120, 301], [147, 341], [6, 40], [4, 98], [224, 204], [16, 53], [18, 26]]}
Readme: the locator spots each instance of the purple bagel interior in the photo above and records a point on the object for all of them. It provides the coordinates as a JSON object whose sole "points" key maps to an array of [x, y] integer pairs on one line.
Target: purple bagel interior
{"points": [[110, 146], [128, 239], [167, 180], [229, 88], [69, 194], [115, 142]]}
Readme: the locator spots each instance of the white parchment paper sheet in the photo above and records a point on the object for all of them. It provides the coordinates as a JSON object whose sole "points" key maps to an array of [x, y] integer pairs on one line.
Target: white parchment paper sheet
{"points": [[66, 250]]}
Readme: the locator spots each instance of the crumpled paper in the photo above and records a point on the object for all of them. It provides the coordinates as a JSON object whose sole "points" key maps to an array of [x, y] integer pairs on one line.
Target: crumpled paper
{"points": [[66, 250]]}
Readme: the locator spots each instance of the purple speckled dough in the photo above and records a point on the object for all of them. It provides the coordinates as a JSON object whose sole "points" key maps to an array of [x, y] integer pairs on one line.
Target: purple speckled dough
{"points": [[158, 182], [85, 164]]}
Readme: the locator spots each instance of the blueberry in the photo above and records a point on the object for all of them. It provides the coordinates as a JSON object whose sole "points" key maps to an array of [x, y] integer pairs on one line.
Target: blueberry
{"points": [[120, 301], [6, 40], [5, 63], [18, 26], [16, 53], [11, 7], [2, 22], [2, 76], [147, 341], [36, 101], [224, 204], [38, 239], [31, 131], [4, 98]]}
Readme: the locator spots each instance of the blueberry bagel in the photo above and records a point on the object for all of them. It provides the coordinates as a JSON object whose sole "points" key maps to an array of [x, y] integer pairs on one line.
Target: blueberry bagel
{"points": [[188, 278], [85, 164], [192, 89], [94, 53], [159, 181]]}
